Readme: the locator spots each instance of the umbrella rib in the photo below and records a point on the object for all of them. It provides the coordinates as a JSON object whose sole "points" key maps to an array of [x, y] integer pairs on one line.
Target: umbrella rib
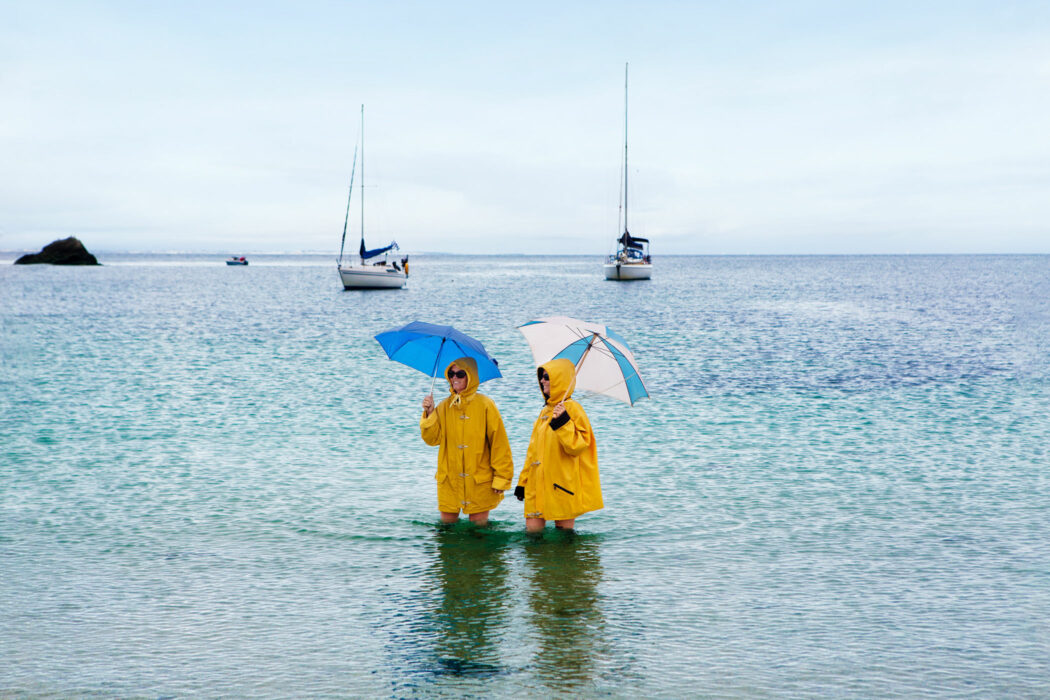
{"points": [[618, 383], [595, 347], [604, 349], [611, 386], [437, 356], [579, 333]]}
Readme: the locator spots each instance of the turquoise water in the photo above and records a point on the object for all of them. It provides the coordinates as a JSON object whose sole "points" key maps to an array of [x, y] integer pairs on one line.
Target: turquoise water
{"points": [[212, 484]]}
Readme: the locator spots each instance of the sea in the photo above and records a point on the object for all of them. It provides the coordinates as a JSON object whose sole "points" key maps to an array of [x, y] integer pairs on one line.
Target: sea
{"points": [[212, 483]]}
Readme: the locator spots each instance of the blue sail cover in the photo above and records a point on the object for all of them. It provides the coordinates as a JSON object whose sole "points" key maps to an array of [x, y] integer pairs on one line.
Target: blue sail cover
{"points": [[366, 254]]}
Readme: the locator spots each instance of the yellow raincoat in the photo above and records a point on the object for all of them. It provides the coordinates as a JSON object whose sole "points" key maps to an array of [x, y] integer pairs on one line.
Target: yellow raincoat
{"points": [[474, 456], [560, 475]]}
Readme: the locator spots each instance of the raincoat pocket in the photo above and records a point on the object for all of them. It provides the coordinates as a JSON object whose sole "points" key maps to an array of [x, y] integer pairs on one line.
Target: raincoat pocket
{"points": [[482, 474], [564, 477], [480, 494], [562, 502]]}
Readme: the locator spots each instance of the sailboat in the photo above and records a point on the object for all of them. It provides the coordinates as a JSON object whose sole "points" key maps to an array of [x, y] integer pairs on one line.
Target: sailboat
{"points": [[631, 260], [380, 273]]}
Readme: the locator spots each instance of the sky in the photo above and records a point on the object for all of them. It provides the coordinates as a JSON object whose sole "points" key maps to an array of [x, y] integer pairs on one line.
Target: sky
{"points": [[755, 128]]}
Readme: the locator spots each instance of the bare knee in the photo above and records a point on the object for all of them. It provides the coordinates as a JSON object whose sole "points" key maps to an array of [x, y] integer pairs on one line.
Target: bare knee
{"points": [[535, 524], [480, 518], [565, 524], [449, 517]]}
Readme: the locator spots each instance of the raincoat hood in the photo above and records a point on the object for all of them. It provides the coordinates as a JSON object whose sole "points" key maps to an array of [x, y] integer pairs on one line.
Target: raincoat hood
{"points": [[563, 379], [471, 367]]}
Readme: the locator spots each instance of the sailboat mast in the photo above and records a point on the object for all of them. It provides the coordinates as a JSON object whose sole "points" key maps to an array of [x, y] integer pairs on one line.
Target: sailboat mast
{"points": [[346, 219], [625, 171], [362, 180]]}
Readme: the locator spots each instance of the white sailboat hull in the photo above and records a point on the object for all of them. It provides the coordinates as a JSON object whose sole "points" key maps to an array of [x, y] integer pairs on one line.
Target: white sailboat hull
{"points": [[372, 277], [628, 271]]}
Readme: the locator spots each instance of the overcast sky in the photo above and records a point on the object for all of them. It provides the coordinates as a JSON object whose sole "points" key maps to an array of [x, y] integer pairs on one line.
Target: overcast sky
{"points": [[491, 127]]}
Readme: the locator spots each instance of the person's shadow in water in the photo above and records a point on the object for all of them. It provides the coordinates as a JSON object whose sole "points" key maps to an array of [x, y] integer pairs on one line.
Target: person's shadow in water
{"points": [[471, 572], [565, 570]]}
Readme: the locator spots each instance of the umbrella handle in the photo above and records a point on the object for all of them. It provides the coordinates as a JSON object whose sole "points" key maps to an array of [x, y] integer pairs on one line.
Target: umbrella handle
{"points": [[433, 381]]}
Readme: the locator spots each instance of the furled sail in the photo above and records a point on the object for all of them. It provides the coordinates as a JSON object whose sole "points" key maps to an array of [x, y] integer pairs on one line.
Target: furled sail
{"points": [[629, 241]]}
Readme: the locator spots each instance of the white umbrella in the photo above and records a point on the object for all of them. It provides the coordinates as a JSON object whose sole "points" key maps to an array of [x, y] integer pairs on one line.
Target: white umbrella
{"points": [[604, 363]]}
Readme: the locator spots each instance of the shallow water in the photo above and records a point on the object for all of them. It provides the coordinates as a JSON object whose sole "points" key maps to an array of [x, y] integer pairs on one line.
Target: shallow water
{"points": [[212, 484]]}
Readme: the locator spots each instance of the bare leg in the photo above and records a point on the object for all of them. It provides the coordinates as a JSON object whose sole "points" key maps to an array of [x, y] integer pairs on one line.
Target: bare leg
{"points": [[535, 524], [449, 517], [565, 524], [481, 518]]}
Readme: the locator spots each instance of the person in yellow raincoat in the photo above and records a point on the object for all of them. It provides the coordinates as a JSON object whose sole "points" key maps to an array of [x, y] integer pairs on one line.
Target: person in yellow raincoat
{"points": [[559, 481], [475, 465]]}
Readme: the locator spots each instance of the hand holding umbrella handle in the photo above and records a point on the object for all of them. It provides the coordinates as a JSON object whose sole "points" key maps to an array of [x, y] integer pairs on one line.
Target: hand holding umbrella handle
{"points": [[428, 404], [559, 416]]}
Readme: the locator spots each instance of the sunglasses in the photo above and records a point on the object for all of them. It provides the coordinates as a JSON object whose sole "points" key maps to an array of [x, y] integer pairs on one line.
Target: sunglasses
{"points": [[458, 374], [544, 376]]}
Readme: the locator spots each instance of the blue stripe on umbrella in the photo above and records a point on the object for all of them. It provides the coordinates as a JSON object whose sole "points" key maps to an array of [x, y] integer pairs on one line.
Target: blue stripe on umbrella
{"points": [[616, 336], [635, 388], [574, 351]]}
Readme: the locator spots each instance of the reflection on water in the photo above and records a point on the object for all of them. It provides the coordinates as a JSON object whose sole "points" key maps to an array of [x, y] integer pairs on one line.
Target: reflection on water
{"points": [[471, 573], [501, 608], [564, 570]]}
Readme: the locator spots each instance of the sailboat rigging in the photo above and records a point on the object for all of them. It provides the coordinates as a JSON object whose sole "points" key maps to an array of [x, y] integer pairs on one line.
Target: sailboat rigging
{"points": [[382, 274], [346, 219]]}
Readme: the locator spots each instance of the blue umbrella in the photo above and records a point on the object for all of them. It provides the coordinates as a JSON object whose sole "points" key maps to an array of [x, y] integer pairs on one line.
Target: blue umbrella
{"points": [[430, 348]]}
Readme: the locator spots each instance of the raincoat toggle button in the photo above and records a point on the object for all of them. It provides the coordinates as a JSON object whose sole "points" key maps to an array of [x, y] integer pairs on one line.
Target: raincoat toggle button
{"points": [[535, 463], [464, 474], [462, 447]]}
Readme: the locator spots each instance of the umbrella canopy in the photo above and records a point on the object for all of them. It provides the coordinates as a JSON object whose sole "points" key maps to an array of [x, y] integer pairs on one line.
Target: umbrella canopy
{"points": [[604, 363], [431, 348]]}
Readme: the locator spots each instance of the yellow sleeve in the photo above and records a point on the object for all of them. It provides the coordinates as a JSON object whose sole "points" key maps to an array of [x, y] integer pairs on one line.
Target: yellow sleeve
{"points": [[430, 427], [575, 436], [499, 449]]}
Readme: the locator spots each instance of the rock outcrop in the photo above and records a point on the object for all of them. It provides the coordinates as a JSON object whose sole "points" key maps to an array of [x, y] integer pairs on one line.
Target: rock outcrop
{"points": [[68, 251]]}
